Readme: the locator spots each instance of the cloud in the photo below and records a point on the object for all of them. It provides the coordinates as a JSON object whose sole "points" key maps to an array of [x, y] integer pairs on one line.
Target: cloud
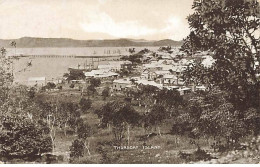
{"points": [[102, 1], [172, 23], [103, 23], [92, 19], [175, 28]]}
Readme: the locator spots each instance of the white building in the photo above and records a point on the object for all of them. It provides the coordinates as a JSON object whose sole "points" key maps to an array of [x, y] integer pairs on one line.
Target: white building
{"points": [[203, 88], [37, 81], [184, 90], [151, 83], [169, 79], [121, 84], [114, 65], [103, 74]]}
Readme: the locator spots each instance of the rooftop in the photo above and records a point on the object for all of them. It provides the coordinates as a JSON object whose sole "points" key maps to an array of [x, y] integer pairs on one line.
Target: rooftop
{"points": [[122, 81], [37, 79], [152, 83]]}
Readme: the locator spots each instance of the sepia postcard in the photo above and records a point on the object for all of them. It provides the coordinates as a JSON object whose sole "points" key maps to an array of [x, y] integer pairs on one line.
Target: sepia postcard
{"points": [[129, 82]]}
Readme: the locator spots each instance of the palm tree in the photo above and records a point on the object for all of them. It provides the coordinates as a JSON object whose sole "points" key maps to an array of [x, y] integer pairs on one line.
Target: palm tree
{"points": [[133, 81], [13, 43], [3, 51]]}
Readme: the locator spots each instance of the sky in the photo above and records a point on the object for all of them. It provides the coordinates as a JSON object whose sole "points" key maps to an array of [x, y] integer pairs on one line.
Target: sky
{"points": [[95, 19]]}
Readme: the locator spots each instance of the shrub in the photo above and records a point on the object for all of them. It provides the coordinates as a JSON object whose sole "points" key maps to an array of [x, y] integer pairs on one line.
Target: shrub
{"points": [[72, 85], [105, 93], [77, 149], [198, 155], [85, 104], [50, 85], [20, 137]]}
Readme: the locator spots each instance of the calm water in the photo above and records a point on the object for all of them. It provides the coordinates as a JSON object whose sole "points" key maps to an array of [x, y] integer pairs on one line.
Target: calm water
{"points": [[54, 68]]}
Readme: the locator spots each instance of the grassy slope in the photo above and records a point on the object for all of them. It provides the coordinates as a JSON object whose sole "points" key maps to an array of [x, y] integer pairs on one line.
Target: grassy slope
{"points": [[170, 144]]}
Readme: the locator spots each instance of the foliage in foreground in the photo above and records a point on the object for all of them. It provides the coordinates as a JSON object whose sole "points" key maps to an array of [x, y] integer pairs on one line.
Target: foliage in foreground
{"points": [[21, 137], [227, 29]]}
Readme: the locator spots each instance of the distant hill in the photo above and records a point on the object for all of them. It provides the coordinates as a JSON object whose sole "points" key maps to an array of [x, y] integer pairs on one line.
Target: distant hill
{"points": [[31, 42]]}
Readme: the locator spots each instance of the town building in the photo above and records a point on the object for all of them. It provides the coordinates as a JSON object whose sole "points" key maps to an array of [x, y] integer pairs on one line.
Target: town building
{"points": [[37, 81], [184, 90], [115, 66], [102, 74], [121, 84]]}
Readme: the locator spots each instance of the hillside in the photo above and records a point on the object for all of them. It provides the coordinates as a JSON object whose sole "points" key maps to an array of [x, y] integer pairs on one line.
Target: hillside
{"points": [[30, 42]]}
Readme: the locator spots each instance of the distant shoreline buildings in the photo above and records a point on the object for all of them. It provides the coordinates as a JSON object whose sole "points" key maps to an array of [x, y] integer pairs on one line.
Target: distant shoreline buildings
{"points": [[162, 68]]}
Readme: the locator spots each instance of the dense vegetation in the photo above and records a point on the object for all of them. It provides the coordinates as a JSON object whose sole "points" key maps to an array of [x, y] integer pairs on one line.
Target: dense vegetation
{"points": [[232, 35]]}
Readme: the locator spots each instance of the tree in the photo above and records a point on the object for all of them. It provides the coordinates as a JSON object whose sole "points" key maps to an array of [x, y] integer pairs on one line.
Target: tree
{"points": [[85, 104], [231, 127], [126, 116], [13, 43], [211, 115], [6, 80], [57, 115], [50, 85], [95, 82], [3, 51], [77, 149], [121, 116], [131, 50], [68, 115], [32, 92], [21, 136], [124, 72], [105, 114], [136, 58], [252, 121], [170, 99], [92, 89], [146, 95], [156, 116], [72, 85], [133, 81], [84, 132], [60, 87], [74, 75], [51, 121], [105, 93], [228, 29]]}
